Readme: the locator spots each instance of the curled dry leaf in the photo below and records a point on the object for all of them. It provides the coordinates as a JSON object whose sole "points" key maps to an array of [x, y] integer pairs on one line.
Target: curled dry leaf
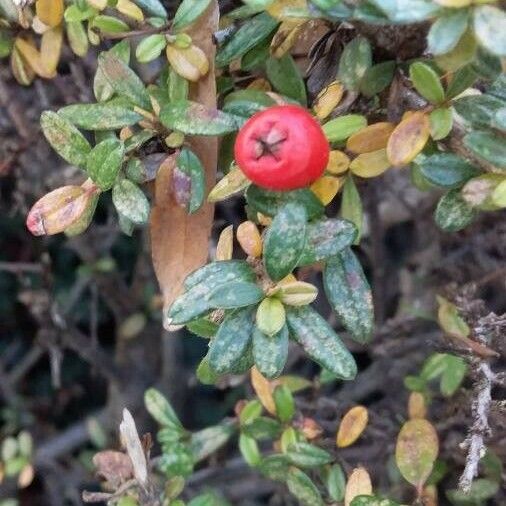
{"points": [[58, 210], [408, 138], [131, 441], [352, 425], [286, 36], [115, 467], [180, 241], [359, 483]]}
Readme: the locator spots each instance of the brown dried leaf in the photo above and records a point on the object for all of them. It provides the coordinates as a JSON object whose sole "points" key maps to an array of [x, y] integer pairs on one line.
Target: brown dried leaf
{"points": [[180, 241], [115, 467], [131, 441], [50, 49]]}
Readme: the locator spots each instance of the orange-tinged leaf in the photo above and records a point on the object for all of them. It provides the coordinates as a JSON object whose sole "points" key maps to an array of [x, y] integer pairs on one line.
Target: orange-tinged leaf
{"points": [[57, 210], [263, 388], [32, 58], [359, 483], [416, 406], [370, 164], [370, 138], [22, 72], [416, 451], [408, 139], [179, 241], [249, 238], [190, 63], [352, 425], [338, 162], [225, 246], [50, 12], [326, 188], [50, 49], [328, 99]]}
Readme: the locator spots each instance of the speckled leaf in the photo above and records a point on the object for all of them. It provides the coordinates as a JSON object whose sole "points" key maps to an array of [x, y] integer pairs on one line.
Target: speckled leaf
{"points": [[251, 33], [284, 240], [320, 341], [247, 102], [270, 352], [104, 161], [231, 341], [372, 500], [447, 30], [130, 201], [101, 116], [188, 12], [123, 80], [275, 467], [489, 146], [325, 238], [220, 272], [416, 451], [270, 203], [235, 294], [489, 22], [349, 294], [206, 441], [479, 110], [356, 58], [307, 455], [65, 138], [196, 119], [101, 87], [285, 76], [303, 488], [447, 170], [189, 180], [453, 213]]}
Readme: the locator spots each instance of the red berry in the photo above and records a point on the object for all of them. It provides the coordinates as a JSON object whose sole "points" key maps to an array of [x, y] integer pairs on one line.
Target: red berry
{"points": [[282, 148]]}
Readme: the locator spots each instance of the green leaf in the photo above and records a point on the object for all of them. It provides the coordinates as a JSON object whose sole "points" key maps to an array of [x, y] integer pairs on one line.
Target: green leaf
{"points": [[270, 317], [447, 30], [372, 500], [351, 206], [463, 79], [109, 24], [339, 129], [482, 489], [489, 146], [307, 455], [123, 80], [285, 76], [257, 56], [6, 44], [101, 87], [76, 13], [205, 442], [427, 82], [441, 122], [263, 428], [284, 240], [249, 450], [203, 327], [349, 294], [479, 110], [453, 375], [177, 86], [302, 487], [251, 33], [160, 409], [356, 59], [176, 460], [285, 405], [150, 47], [231, 341], [189, 183], [325, 238], [188, 12], [453, 213], [377, 78], [335, 482], [275, 467], [250, 412], [489, 23], [320, 341], [245, 103], [220, 272], [270, 202], [130, 201], [152, 7], [499, 119], [196, 119], [65, 138], [235, 294], [447, 170], [104, 161], [498, 87], [407, 11], [462, 54], [270, 352]]}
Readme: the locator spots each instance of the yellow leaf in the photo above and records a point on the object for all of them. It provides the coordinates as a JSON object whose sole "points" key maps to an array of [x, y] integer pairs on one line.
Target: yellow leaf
{"points": [[263, 389], [260, 84], [450, 320], [225, 246], [249, 238], [370, 164], [232, 183], [190, 63], [408, 139], [455, 4], [359, 483], [286, 37], [416, 406], [370, 138], [326, 188], [50, 49], [130, 10], [328, 99], [21, 71], [338, 162], [281, 9], [50, 12], [32, 58], [352, 425]]}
